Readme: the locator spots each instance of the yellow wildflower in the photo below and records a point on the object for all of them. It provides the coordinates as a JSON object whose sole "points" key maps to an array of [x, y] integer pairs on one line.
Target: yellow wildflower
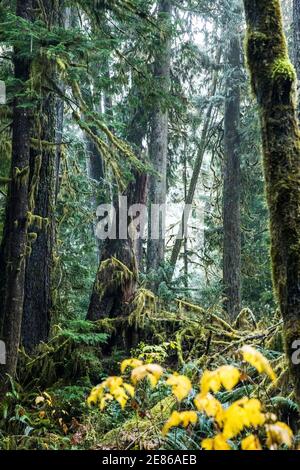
{"points": [[129, 389]]}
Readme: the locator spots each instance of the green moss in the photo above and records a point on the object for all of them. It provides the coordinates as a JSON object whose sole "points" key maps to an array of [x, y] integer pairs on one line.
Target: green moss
{"points": [[141, 430], [35, 220], [274, 83], [21, 175], [283, 68], [32, 236], [34, 181]]}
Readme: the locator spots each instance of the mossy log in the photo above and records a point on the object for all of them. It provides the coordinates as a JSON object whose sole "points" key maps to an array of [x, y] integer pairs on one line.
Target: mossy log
{"points": [[273, 80]]}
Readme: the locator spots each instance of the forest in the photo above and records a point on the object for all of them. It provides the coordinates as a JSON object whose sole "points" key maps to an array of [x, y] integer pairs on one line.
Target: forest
{"points": [[149, 225]]}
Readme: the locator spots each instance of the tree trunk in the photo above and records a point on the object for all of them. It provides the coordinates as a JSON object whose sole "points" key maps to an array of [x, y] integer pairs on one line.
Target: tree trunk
{"points": [[43, 164], [195, 175], [274, 83], [231, 184], [115, 283], [15, 233], [158, 147]]}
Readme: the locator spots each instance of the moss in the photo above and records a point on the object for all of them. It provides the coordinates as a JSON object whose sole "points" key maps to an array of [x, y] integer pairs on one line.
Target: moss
{"points": [[141, 431], [34, 181], [36, 220], [113, 274], [283, 68], [32, 236], [21, 175], [274, 83]]}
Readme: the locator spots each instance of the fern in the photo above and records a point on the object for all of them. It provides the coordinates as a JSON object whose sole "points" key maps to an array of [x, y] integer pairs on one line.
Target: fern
{"points": [[285, 403], [236, 394], [83, 332]]}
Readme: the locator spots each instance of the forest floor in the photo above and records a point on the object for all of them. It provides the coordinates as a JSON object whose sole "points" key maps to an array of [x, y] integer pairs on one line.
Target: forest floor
{"points": [[50, 410]]}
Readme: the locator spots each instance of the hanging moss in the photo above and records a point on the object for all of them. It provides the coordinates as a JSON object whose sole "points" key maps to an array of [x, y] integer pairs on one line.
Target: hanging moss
{"points": [[34, 181], [121, 275], [35, 220], [21, 175]]}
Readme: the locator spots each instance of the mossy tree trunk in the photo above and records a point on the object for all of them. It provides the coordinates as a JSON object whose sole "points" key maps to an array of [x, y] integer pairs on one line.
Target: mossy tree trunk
{"points": [[15, 233], [274, 84], [232, 183], [38, 303], [116, 280], [158, 146]]}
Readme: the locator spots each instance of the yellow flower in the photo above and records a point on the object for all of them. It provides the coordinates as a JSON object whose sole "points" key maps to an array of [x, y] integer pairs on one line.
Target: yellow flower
{"points": [[188, 417], [277, 434], [217, 443], [133, 363], [211, 406], [173, 421], [257, 360], [251, 443], [184, 417], [226, 376], [181, 386], [152, 371]]}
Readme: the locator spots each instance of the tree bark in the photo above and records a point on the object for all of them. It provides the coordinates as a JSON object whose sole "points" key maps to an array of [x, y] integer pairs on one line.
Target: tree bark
{"points": [[43, 165], [158, 148], [15, 233], [231, 184], [115, 283], [274, 82]]}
